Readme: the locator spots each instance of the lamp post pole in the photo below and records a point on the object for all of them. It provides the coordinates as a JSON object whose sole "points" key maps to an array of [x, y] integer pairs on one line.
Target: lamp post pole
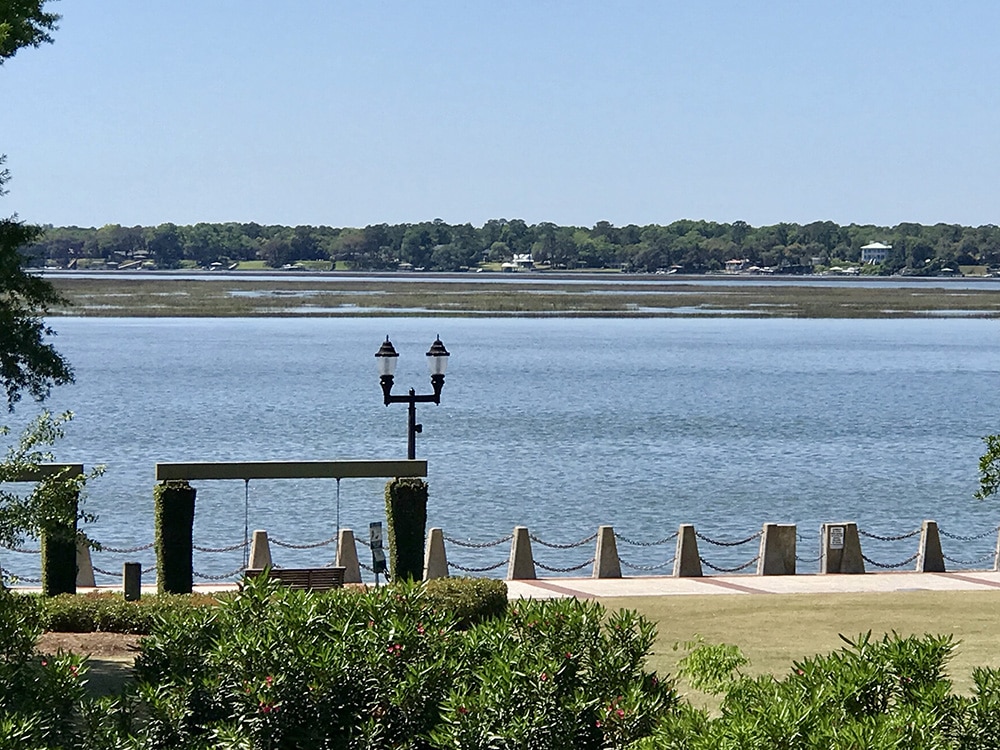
{"points": [[437, 362]]}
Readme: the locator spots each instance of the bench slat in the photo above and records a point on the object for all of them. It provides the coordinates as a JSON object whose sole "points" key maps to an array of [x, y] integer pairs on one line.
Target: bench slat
{"points": [[312, 579]]}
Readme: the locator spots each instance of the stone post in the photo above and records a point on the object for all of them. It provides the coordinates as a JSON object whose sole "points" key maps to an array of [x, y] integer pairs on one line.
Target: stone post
{"points": [[522, 563], [841, 549], [84, 566], [347, 556], [930, 558], [260, 551], [435, 557], [777, 550], [687, 561], [606, 562]]}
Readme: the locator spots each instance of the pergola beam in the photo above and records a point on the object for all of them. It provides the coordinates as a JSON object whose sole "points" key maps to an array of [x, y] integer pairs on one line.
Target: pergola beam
{"points": [[248, 470]]}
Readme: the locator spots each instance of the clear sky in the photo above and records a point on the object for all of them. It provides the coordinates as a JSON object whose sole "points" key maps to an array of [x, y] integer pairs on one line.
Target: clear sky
{"points": [[353, 113]]}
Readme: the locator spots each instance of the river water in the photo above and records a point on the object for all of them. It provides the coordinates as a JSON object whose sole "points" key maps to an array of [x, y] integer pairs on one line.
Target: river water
{"points": [[556, 424]]}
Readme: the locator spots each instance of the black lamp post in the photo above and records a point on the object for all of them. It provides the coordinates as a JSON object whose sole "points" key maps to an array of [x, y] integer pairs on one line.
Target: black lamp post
{"points": [[437, 362]]}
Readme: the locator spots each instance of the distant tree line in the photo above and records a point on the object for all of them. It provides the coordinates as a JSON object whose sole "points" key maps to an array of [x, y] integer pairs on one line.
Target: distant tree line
{"points": [[690, 246]]}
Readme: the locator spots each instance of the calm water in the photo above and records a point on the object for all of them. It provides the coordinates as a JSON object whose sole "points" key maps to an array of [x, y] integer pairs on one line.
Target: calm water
{"points": [[556, 424]]}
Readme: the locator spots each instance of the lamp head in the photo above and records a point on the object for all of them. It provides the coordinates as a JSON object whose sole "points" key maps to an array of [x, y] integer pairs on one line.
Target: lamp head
{"points": [[386, 357]]}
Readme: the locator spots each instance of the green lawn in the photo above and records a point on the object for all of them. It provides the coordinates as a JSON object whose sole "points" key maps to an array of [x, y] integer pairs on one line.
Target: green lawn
{"points": [[774, 630]]}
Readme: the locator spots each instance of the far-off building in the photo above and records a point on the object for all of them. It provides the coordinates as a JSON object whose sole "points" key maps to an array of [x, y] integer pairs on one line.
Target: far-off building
{"points": [[875, 253]]}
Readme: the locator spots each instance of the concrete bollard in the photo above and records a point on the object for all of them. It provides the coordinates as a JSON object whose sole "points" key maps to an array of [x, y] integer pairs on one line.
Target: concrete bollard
{"points": [[347, 556], [260, 551], [606, 562], [687, 561], [522, 563], [840, 549], [435, 557], [777, 550], [930, 558], [132, 578], [84, 566]]}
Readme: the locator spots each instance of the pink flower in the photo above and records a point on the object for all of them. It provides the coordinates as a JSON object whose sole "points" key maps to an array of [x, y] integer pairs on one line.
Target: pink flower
{"points": [[269, 679]]}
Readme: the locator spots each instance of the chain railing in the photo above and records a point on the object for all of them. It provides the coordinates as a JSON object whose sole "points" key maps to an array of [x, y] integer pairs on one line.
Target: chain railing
{"points": [[307, 545], [737, 543], [646, 568], [635, 543], [737, 569], [901, 537], [891, 566]]}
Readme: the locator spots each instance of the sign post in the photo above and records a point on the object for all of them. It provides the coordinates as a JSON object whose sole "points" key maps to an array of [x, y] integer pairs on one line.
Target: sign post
{"points": [[378, 554]]}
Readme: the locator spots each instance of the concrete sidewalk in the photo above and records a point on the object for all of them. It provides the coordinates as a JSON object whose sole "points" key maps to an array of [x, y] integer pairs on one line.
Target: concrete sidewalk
{"points": [[599, 588]]}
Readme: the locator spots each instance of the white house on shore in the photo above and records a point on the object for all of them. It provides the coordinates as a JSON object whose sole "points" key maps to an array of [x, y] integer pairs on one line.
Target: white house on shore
{"points": [[875, 253]]}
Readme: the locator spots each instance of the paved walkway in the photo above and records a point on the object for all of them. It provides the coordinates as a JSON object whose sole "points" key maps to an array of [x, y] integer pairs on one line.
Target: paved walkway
{"points": [[592, 588], [602, 588]]}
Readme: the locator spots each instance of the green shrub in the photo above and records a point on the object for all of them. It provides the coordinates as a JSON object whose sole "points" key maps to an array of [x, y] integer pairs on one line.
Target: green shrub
{"points": [[279, 668], [109, 612], [406, 516], [888, 693], [469, 600]]}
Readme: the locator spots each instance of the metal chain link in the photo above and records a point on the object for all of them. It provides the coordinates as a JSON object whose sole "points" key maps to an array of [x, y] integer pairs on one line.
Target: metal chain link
{"points": [[478, 570], [984, 558], [369, 568], [218, 578], [552, 545], [907, 561], [728, 570], [310, 545], [474, 545], [889, 538], [808, 560], [566, 570], [645, 544], [990, 532], [21, 550], [230, 548], [363, 543], [127, 550], [647, 567], [728, 544], [108, 572], [8, 574], [150, 569]]}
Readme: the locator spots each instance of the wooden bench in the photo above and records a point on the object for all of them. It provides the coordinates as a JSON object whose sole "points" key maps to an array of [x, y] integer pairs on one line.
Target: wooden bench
{"points": [[310, 579]]}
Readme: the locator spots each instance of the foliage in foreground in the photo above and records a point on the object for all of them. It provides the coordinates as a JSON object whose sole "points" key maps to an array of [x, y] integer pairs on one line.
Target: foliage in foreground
{"points": [[273, 668], [883, 693]]}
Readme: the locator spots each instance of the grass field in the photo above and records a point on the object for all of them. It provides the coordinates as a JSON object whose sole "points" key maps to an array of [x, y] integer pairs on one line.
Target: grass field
{"points": [[775, 630], [243, 296]]}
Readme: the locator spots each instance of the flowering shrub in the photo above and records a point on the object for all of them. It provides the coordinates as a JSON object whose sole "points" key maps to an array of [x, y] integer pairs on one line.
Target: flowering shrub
{"points": [[284, 669]]}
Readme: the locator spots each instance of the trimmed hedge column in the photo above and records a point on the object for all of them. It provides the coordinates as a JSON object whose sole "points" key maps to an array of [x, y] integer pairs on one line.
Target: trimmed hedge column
{"points": [[406, 513], [174, 510], [58, 562]]}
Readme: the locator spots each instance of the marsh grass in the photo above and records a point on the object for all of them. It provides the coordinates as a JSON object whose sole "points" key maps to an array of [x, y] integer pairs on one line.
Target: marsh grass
{"points": [[248, 297]]}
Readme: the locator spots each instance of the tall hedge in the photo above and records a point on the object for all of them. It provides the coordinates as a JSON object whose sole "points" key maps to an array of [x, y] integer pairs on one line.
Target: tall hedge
{"points": [[406, 513], [58, 563], [174, 510]]}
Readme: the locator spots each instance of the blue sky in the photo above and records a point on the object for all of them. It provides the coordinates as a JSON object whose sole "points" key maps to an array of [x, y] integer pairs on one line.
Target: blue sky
{"points": [[348, 114]]}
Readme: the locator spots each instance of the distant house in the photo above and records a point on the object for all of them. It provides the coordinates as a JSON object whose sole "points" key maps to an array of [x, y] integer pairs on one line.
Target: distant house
{"points": [[875, 253], [520, 262], [737, 265]]}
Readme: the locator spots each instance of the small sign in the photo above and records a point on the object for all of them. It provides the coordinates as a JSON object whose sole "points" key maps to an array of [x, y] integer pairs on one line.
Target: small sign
{"points": [[378, 554], [836, 537]]}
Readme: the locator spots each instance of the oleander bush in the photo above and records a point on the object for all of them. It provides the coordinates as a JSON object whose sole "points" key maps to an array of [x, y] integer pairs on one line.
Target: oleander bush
{"points": [[41, 697], [389, 668], [883, 693]]}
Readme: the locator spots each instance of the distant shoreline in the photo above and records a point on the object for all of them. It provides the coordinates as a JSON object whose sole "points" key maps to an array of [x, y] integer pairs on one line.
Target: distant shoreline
{"points": [[525, 294]]}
